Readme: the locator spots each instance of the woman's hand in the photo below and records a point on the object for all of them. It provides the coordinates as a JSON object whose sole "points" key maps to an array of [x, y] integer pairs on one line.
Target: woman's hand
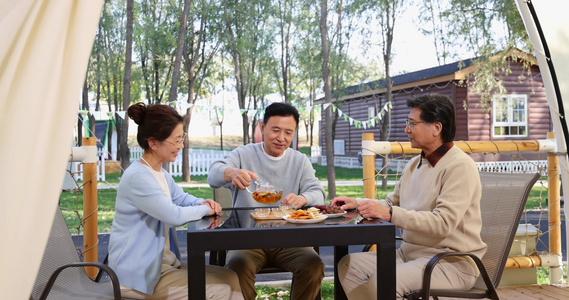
{"points": [[214, 207], [344, 202], [215, 221]]}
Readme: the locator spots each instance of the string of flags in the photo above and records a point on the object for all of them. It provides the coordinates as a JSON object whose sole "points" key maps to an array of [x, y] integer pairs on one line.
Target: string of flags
{"points": [[252, 113]]}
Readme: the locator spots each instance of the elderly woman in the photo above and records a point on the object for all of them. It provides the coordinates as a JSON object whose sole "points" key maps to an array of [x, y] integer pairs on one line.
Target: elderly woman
{"points": [[148, 203]]}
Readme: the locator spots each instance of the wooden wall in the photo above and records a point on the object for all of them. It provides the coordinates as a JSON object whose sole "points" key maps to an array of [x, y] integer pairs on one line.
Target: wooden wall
{"points": [[472, 123]]}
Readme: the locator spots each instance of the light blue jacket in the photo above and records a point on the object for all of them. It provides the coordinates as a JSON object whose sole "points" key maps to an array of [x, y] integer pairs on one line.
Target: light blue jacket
{"points": [[142, 209]]}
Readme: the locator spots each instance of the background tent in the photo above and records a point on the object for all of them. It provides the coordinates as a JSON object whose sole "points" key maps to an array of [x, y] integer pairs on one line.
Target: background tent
{"points": [[43, 59], [44, 53], [547, 26]]}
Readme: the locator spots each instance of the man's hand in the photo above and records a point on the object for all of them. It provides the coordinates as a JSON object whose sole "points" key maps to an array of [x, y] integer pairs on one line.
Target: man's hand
{"points": [[294, 200], [344, 202], [372, 209], [240, 178]]}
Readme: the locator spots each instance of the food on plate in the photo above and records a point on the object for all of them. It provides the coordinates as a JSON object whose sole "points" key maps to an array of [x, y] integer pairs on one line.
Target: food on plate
{"points": [[327, 209], [301, 214], [267, 197]]}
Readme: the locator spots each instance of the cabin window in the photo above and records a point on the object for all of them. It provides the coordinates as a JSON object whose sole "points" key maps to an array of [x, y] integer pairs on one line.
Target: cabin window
{"points": [[510, 116], [339, 147], [370, 113]]}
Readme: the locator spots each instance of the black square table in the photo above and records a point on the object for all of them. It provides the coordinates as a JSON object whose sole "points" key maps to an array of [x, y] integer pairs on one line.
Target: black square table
{"points": [[240, 231]]}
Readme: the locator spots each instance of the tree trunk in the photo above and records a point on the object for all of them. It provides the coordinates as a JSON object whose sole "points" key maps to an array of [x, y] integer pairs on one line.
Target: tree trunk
{"points": [[186, 176], [179, 49], [124, 153], [328, 99], [390, 13], [174, 87]]}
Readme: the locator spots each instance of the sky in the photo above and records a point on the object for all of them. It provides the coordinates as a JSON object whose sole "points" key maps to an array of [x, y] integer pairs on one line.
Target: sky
{"points": [[411, 50]]}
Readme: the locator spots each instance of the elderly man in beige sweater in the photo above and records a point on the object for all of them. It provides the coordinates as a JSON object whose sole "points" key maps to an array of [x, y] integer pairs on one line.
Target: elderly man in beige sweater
{"points": [[436, 203]]}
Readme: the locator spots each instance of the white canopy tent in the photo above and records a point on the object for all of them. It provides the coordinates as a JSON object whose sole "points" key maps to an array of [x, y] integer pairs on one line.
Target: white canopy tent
{"points": [[548, 29], [43, 59], [44, 51]]}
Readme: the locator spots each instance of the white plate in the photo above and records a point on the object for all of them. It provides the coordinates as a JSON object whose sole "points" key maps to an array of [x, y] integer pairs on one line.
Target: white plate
{"points": [[305, 221], [336, 215]]}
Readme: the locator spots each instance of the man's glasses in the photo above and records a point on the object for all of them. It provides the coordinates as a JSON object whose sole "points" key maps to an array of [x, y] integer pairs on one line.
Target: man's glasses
{"points": [[412, 124], [178, 142]]}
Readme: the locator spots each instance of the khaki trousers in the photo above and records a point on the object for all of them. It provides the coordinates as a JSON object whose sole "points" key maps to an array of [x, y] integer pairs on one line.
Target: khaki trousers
{"points": [[221, 283], [358, 275], [304, 263]]}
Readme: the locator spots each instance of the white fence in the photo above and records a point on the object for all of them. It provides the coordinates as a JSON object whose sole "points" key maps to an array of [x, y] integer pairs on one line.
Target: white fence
{"points": [[397, 165], [200, 161]]}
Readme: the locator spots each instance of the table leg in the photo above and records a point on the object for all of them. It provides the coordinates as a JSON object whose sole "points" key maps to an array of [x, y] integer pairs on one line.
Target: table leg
{"points": [[386, 281], [196, 274], [339, 252]]}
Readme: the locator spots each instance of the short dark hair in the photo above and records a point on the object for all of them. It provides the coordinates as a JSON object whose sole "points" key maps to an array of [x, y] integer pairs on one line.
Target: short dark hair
{"points": [[156, 121], [437, 108], [281, 109]]}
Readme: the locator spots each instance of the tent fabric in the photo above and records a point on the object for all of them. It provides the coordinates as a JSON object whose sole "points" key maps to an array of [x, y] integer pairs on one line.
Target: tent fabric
{"points": [[44, 54], [548, 30]]}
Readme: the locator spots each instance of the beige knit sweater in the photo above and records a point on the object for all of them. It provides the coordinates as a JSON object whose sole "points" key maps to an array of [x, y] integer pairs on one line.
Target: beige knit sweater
{"points": [[438, 207]]}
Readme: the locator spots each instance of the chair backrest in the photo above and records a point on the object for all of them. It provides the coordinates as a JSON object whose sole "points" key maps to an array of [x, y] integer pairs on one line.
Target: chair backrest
{"points": [[504, 197], [72, 283], [223, 197]]}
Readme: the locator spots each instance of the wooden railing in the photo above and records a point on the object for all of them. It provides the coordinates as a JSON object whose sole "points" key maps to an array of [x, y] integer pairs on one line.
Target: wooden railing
{"points": [[553, 260]]}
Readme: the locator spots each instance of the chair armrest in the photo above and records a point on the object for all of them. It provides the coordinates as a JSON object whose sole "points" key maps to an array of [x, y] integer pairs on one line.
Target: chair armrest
{"points": [[435, 259], [107, 269]]}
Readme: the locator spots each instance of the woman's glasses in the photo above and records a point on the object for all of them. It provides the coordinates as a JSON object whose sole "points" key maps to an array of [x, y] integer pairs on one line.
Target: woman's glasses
{"points": [[178, 142]]}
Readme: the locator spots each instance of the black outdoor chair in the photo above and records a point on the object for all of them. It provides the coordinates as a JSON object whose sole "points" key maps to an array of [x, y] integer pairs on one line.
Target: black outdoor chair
{"points": [[62, 274]]}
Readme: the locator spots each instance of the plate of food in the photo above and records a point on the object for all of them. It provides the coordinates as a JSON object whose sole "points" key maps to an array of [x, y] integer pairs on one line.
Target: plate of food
{"points": [[311, 215], [331, 212], [336, 215]]}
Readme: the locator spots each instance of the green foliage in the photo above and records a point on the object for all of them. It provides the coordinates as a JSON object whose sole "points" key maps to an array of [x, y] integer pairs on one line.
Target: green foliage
{"points": [[283, 293], [543, 274], [270, 292]]}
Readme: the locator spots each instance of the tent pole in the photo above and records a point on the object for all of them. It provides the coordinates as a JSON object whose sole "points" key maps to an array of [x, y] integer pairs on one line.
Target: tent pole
{"points": [[90, 231], [554, 215], [368, 161]]}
